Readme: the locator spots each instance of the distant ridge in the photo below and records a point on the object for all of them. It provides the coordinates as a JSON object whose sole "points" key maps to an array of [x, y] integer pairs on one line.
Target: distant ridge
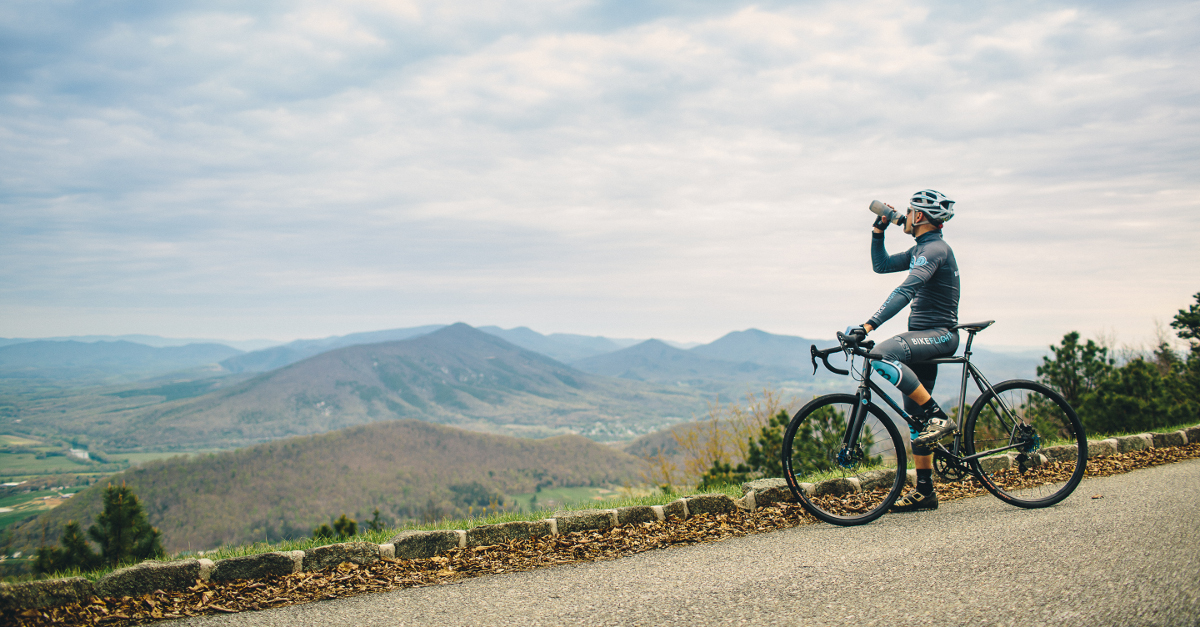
{"points": [[279, 356], [456, 375], [101, 360], [761, 347], [157, 341], [656, 361], [565, 347]]}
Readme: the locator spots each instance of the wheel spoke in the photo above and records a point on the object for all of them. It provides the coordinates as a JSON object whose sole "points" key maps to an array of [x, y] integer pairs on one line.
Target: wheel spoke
{"points": [[1049, 449], [839, 484]]}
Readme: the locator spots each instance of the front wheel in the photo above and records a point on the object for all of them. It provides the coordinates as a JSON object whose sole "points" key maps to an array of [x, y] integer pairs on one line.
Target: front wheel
{"points": [[1036, 444], [843, 485]]}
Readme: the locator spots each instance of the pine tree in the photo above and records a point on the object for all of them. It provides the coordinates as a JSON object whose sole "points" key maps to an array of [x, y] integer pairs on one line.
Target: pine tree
{"points": [[764, 456], [376, 524], [345, 527], [122, 530], [1076, 370]]}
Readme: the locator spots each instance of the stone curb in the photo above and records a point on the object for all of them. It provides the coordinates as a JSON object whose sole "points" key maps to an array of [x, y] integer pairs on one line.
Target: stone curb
{"points": [[258, 566], [415, 545], [44, 593], [638, 514], [488, 535], [323, 557], [147, 577], [586, 520], [710, 504]]}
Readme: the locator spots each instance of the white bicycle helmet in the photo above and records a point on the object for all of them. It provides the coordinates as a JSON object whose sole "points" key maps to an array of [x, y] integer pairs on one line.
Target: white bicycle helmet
{"points": [[933, 204]]}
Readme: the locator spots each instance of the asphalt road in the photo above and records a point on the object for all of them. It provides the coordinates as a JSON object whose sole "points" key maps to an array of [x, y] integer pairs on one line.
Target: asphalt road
{"points": [[1129, 558]]}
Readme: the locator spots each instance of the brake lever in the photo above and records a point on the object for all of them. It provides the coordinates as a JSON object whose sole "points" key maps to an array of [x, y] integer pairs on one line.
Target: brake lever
{"points": [[812, 349], [844, 342]]}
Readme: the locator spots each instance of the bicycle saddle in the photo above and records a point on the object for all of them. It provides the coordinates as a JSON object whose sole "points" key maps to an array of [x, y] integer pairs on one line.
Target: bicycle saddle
{"points": [[973, 327]]}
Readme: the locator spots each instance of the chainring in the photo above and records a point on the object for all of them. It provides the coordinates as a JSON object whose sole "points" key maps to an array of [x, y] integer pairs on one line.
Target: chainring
{"points": [[948, 469]]}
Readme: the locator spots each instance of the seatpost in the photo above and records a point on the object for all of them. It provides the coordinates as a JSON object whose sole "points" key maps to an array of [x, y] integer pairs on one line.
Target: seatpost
{"points": [[962, 389]]}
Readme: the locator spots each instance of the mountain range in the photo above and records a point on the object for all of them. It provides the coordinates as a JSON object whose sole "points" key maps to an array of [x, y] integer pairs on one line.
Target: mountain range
{"points": [[456, 375], [71, 359], [453, 374]]}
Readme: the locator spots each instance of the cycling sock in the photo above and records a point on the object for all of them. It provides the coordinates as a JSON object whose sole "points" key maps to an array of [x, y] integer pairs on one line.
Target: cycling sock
{"points": [[925, 481], [931, 410]]}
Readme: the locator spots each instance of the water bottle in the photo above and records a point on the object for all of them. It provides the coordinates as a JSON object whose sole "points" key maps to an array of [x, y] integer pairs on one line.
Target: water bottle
{"points": [[887, 213]]}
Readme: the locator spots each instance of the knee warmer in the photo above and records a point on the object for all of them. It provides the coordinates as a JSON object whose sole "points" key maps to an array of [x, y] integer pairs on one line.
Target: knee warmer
{"points": [[897, 374]]}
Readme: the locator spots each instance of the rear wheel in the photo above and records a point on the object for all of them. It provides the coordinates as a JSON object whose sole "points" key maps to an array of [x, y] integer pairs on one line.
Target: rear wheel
{"points": [[843, 485], [1040, 449]]}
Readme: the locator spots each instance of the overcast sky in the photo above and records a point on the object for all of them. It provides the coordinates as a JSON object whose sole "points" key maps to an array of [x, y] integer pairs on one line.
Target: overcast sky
{"points": [[632, 169]]}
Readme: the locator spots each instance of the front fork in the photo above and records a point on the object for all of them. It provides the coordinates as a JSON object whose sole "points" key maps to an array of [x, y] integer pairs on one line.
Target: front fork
{"points": [[850, 453]]}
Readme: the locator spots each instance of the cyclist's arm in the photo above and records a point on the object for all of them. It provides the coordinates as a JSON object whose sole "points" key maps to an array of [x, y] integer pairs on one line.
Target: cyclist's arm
{"points": [[881, 262], [901, 296]]}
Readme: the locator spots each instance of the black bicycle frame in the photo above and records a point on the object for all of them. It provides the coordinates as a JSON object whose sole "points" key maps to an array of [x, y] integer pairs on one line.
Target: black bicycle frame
{"points": [[867, 386]]}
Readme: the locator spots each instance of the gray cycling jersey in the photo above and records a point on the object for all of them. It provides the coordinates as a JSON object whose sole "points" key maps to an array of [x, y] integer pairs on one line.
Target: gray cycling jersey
{"points": [[932, 284]]}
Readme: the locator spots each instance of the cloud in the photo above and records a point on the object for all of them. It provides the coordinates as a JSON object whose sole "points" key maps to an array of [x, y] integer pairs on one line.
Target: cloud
{"points": [[666, 169]]}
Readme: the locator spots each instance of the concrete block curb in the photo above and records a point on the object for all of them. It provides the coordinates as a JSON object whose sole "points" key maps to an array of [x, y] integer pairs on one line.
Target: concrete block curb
{"points": [[488, 535], [769, 491], [995, 463], [144, 578], [415, 545], [1174, 438], [837, 487], [258, 566], [324, 557], [710, 504], [44, 593], [638, 514], [585, 520], [1193, 434], [1102, 448], [1139, 442], [877, 479], [387, 551], [1063, 452], [677, 509]]}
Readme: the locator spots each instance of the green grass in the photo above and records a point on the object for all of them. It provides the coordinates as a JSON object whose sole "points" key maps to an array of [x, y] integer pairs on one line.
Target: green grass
{"points": [[1118, 434], [8, 518], [13, 440], [21, 464]]}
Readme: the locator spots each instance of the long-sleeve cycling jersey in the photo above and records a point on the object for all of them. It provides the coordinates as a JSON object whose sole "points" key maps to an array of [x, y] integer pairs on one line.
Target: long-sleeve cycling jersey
{"points": [[932, 284]]}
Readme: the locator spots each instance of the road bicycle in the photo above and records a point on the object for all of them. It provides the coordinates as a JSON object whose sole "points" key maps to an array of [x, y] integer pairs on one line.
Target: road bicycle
{"points": [[846, 460]]}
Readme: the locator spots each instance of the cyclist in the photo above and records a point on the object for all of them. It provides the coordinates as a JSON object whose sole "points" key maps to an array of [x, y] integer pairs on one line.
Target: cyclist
{"points": [[932, 286]]}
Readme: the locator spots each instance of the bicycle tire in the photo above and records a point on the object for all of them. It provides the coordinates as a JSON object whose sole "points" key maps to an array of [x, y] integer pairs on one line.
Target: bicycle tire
{"points": [[854, 492], [1053, 459]]}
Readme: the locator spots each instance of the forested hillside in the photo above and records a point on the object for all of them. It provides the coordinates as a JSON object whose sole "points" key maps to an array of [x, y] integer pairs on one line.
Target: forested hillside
{"points": [[408, 469]]}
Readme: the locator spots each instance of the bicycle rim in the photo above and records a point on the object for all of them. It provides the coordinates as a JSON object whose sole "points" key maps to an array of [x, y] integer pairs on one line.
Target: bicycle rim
{"points": [[1051, 453], [838, 485]]}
